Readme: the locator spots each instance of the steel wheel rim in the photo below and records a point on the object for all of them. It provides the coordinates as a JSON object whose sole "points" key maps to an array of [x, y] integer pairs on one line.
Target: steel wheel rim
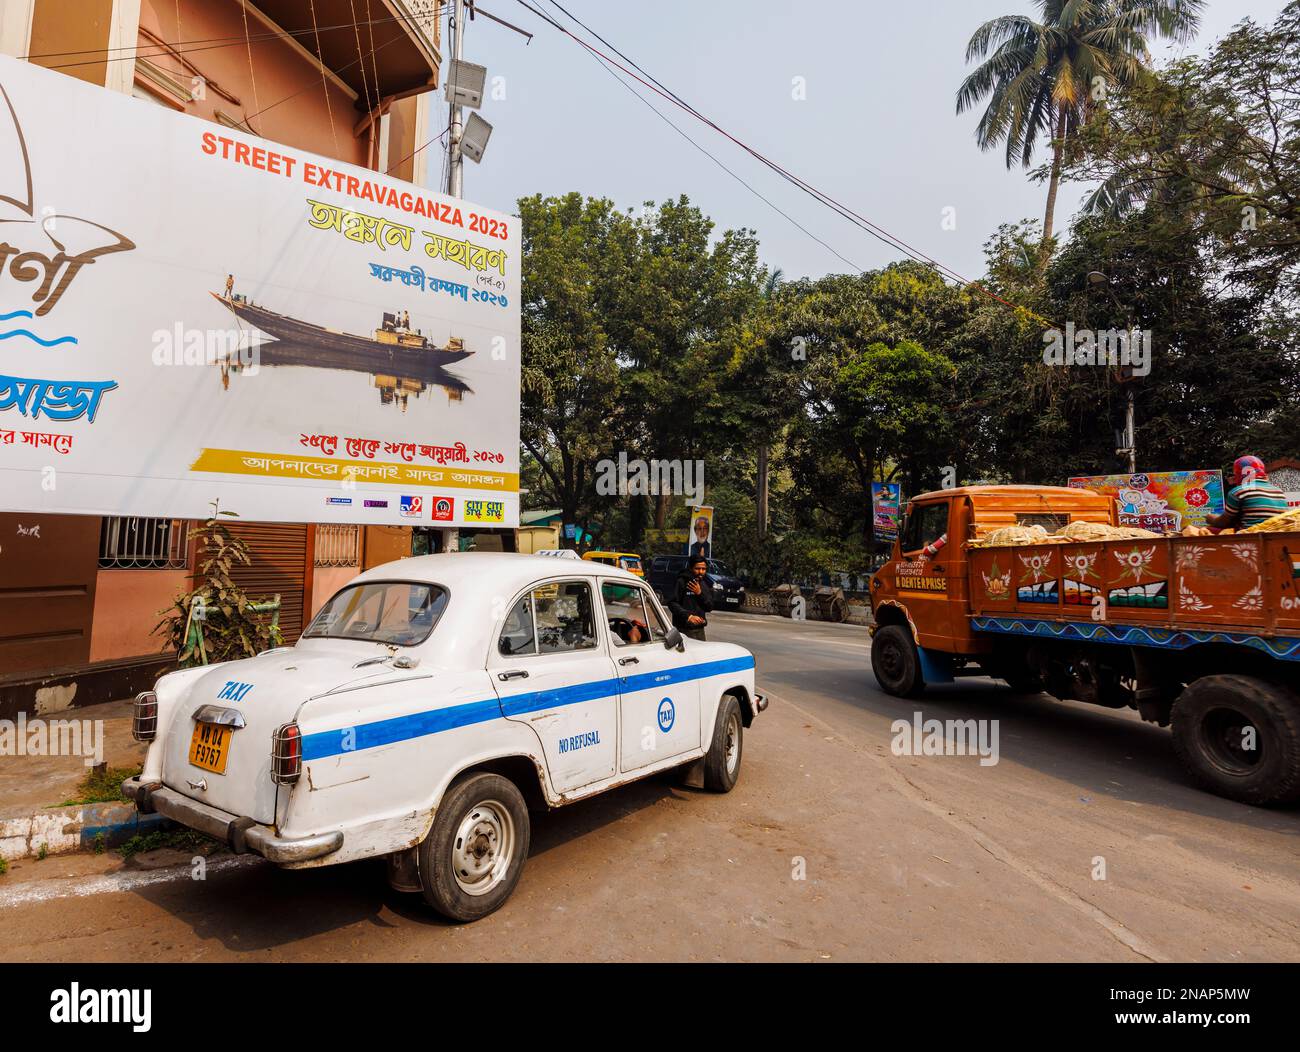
{"points": [[732, 743], [482, 848], [1221, 732], [891, 660]]}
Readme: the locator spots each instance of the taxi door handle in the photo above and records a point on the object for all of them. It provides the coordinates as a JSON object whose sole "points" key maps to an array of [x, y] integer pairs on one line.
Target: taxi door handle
{"points": [[628, 661], [517, 673]]}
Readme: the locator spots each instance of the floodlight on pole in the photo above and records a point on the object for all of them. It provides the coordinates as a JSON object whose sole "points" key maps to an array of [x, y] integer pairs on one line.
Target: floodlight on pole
{"points": [[465, 82], [474, 139]]}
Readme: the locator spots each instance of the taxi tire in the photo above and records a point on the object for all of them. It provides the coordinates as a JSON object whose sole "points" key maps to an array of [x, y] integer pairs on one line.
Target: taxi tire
{"points": [[437, 881], [717, 777]]}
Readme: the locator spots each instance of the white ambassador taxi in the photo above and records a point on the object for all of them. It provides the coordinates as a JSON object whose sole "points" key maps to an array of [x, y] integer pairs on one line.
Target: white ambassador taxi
{"points": [[428, 706]]}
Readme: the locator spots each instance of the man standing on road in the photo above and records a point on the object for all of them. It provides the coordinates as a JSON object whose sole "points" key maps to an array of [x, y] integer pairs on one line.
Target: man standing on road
{"points": [[692, 598]]}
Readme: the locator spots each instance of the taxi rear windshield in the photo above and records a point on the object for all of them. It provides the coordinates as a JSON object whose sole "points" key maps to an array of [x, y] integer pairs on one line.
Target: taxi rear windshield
{"points": [[630, 562], [397, 613]]}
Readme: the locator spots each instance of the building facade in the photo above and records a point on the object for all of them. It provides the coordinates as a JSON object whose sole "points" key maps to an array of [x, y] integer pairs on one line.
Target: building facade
{"points": [[353, 80]]}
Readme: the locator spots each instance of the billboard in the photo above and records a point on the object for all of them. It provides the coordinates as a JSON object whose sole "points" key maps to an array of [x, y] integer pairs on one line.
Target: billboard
{"points": [[885, 499], [1161, 501], [189, 313]]}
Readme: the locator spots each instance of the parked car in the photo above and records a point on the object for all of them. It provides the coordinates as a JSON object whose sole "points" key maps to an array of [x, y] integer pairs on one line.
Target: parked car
{"points": [[428, 705], [728, 592], [629, 561]]}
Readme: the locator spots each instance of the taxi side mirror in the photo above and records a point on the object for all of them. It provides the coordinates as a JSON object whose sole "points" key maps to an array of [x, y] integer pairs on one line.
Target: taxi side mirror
{"points": [[673, 640]]}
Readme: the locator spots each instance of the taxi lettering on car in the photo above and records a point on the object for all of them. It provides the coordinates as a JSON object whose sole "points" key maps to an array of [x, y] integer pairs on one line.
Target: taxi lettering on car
{"points": [[429, 704]]}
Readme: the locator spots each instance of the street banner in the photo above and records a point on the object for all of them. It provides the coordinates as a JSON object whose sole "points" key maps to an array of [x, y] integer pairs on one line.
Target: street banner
{"points": [[701, 535], [655, 538], [189, 314], [1161, 501], [885, 499]]}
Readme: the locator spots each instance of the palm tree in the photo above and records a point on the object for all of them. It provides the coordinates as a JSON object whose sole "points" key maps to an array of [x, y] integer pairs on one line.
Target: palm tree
{"points": [[1044, 79]]}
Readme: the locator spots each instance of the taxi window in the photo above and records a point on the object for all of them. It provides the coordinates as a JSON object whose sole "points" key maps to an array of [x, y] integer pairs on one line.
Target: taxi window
{"points": [[630, 562], [631, 614], [517, 634], [563, 614]]}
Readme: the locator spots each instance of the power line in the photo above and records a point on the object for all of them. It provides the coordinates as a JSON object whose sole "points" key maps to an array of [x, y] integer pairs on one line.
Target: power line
{"points": [[877, 231], [651, 107]]}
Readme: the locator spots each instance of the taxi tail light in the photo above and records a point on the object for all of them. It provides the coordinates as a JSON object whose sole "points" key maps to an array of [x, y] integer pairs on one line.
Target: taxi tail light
{"points": [[286, 754], [144, 717]]}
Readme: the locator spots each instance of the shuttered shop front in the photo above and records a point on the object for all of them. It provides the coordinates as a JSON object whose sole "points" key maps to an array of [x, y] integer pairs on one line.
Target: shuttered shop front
{"points": [[279, 565]]}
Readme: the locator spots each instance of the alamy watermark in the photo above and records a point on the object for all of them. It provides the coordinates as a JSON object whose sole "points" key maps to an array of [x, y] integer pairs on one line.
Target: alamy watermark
{"points": [[24, 737], [1112, 347], [624, 477], [230, 347], [922, 737]]}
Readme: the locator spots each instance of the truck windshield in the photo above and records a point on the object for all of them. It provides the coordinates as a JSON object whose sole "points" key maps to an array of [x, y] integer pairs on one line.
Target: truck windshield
{"points": [[399, 613]]}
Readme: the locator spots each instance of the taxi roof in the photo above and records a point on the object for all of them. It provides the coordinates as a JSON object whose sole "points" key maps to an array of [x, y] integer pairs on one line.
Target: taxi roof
{"points": [[488, 571]]}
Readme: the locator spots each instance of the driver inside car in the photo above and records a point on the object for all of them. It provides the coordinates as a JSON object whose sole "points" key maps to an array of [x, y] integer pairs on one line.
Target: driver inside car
{"points": [[628, 630]]}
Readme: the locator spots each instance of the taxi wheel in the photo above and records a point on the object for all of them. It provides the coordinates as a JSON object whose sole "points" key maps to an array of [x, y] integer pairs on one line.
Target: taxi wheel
{"points": [[474, 855], [722, 762]]}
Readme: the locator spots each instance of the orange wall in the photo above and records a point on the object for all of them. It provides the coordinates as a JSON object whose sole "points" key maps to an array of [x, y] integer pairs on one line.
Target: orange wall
{"points": [[127, 606], [327, 581], [282, 71]]}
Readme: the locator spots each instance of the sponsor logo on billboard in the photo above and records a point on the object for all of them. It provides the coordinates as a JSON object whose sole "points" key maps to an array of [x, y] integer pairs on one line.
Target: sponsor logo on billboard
{"points": [[485, 511], [376, 504], [412, 507], [338, 500], [444, 509]]}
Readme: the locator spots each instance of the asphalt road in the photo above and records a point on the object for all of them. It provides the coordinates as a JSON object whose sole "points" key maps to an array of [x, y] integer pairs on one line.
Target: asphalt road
{"points": [[1084, 841]]}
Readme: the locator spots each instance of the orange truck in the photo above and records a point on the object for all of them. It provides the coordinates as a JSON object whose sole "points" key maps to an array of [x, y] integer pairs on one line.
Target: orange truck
{"points": [[1201, 633]]}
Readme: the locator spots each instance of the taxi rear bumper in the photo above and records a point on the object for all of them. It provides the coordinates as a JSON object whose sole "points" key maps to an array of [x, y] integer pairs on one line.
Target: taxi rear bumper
{"points": [[240, 834]]}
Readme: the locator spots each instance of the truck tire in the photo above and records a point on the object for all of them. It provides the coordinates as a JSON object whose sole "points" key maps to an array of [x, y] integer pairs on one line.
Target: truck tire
{"points": [[1212, 719], [474, 855], [722, 761], [895, 662]]}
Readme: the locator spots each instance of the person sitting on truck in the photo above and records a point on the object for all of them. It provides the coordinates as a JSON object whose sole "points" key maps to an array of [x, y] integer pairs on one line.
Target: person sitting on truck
{"points": [[692, 598], [1252, 498]]}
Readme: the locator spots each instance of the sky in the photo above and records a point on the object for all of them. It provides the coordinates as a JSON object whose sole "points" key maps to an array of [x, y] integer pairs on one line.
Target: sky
{"points": [[876, 126]]}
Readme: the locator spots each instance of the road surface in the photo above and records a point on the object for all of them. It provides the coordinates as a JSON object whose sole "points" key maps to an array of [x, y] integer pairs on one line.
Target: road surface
{"points": [[1084, 841]]}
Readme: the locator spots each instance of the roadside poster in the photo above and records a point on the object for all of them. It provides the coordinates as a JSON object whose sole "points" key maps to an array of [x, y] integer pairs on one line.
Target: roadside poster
{"points": [[701, 535], [189, 313], [885, 499], [656, 538], [1161, 501]]}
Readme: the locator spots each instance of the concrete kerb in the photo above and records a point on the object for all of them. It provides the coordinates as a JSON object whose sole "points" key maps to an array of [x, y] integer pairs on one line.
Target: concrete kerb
{"points": [[81, 827]]}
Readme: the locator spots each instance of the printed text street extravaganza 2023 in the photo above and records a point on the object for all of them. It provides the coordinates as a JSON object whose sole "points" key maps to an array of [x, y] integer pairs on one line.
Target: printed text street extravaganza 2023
{"points": [[318, 175]]}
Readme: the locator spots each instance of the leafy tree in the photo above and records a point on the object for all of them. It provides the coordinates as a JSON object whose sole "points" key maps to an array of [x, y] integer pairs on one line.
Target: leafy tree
{"points": [[1215, 141], [1043, 79]]}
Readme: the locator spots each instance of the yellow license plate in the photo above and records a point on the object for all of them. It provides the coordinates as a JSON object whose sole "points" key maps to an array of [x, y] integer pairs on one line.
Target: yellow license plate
{"points": [[210, 747]]}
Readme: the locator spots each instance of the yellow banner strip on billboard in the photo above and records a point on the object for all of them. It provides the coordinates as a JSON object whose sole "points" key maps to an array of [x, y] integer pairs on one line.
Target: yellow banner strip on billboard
{"points": [[269, 465]]}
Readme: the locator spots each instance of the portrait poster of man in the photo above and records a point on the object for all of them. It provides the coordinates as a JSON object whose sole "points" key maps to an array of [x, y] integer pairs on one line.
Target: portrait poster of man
{"points": [[700, 541]]}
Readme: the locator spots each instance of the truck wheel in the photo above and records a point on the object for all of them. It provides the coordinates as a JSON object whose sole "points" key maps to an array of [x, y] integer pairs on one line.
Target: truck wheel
{"points": [[722, 762], [1240, 737], [895, 662], [474, 855]]}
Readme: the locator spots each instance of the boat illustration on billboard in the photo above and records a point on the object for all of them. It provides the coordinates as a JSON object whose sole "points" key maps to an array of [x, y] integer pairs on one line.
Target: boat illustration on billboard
{"points": [[392, 346]]}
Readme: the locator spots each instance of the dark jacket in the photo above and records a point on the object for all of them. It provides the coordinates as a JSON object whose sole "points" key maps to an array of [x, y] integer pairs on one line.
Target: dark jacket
{"points": [[685, 603]]}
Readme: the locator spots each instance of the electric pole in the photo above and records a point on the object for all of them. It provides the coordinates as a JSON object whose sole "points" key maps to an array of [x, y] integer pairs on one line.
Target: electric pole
{"points": [[455, 160]]}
